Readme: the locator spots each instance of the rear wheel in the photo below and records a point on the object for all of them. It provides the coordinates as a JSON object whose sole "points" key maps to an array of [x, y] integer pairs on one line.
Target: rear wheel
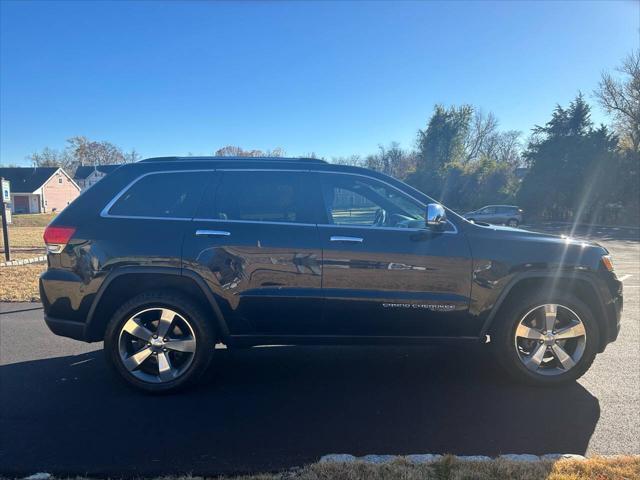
{"points": [[159, 342], [546, 339]]}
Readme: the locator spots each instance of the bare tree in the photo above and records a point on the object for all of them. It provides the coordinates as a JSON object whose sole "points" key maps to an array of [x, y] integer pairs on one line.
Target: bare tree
{"points": [[276, 152], [132, 156], [234, 151], [352, 161], [392, 160], [50, 157], [82, 151], [481, 136], [620, 97], [88, 152], [507, 148]]}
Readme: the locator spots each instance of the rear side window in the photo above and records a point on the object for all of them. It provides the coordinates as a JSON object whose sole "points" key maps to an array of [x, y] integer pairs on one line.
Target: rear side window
{"points": [[162, 195], [259, 196]]}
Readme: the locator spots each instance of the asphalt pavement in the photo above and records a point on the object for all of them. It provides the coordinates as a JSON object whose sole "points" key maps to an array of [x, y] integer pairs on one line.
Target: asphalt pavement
{"points": [[261, 409]]}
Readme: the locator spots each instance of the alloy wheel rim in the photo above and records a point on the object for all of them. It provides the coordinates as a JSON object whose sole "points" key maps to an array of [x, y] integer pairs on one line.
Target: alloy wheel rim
{"points": [[157, 345], [550, 339]]}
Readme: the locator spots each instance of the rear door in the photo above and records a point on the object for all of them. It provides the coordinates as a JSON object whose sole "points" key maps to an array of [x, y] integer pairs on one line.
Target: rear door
{"points": [[255, 242], [145, 223], [488, 214], [384, 273]]}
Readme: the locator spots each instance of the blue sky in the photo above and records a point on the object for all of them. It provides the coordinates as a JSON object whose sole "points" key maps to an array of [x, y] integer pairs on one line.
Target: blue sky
{"points": [[328, 77]]}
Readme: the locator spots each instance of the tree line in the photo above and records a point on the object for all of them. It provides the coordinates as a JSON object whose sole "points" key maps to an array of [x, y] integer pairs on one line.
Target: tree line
{"points": [[568, 169]]}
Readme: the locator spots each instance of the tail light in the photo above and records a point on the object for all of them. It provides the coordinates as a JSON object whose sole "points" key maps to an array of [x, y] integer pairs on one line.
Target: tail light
{"points": [[607, 262], [56, 238]]}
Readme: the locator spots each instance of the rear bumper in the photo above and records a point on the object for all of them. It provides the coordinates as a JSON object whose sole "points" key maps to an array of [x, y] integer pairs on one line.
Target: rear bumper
{"points": [[66, 328], [66, 301]]}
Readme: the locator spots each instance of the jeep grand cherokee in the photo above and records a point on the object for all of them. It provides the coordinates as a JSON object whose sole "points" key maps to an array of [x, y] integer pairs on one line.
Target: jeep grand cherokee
{"points": [[164, 258]]}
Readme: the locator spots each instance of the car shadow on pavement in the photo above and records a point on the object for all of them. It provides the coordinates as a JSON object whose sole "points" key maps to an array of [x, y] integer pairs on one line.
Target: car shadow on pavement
{"points": [[274, 408]]}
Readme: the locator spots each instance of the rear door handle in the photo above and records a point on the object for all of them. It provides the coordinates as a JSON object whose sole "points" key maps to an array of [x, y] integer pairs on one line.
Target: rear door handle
{"points": [[212, 233], [338, 238]]}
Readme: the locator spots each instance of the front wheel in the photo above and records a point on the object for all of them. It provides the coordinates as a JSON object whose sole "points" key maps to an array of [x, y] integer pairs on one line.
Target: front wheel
{"points": [[159, 342], [512, 223], [546, 339]]}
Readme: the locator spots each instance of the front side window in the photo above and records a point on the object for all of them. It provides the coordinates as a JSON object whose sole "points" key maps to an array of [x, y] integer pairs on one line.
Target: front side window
{"points": [[261, 196], [359, 201], [162, 195]]}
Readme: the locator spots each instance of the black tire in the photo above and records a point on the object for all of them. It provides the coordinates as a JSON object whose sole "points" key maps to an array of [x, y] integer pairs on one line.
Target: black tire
{"points": [[203, 330], [513, 222], [503, 338]]}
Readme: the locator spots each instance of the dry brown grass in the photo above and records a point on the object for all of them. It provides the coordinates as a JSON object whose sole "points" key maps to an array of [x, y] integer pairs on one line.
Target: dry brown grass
{"points": [[454, 469], [20, 283], [450, 468], [24, 237], [32, 220]]}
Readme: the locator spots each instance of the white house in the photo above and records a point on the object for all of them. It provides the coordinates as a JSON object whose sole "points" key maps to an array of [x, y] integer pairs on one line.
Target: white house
{"points": [[90, 175]]}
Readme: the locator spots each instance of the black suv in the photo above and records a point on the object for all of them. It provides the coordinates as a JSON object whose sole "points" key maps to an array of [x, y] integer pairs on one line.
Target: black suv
{"points": [[164, 258]]}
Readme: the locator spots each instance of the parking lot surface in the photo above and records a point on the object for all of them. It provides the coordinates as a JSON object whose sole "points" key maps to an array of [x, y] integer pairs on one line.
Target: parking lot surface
{"points": [[272, 408]]}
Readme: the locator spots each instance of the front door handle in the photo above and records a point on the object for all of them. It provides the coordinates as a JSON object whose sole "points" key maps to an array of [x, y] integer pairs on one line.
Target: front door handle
{"points": [[338, 238], [212, 233]]}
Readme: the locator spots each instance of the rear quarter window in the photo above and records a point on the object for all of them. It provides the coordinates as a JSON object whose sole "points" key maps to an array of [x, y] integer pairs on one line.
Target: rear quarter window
{"points": [[162, 195]]}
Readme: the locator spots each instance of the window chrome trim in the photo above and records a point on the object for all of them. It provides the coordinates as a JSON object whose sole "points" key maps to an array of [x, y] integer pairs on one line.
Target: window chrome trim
{"points": [[261, 222], [139, 217], [393, 229], [105, 211], [331, 225]]}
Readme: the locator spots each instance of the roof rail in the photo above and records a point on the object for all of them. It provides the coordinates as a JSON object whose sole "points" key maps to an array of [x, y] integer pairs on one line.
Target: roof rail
{"points": [[222, 159]]}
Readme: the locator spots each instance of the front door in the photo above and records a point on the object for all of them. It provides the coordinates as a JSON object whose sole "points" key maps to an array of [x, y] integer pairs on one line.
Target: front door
{"points": [[255, 241], [384, 273]]}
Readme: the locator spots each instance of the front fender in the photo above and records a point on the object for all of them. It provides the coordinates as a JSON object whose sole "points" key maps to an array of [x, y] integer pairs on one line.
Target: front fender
{"points": [[490, 307]]}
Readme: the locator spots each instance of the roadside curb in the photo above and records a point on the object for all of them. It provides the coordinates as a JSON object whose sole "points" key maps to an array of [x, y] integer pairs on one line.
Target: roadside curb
{"points": [[24, 261], [431, 458]]}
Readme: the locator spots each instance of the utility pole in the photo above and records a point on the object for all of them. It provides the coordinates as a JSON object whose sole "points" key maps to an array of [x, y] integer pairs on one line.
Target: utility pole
{"points": [[5, 198]]}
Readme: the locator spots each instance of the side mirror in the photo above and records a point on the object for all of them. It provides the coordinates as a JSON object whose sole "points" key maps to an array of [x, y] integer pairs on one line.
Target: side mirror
{"points": [[436, 215]]}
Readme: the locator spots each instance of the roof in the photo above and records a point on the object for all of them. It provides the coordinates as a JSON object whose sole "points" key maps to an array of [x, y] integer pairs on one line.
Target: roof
{"points": [[27, 179], [84, 172], [225, 159]]}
